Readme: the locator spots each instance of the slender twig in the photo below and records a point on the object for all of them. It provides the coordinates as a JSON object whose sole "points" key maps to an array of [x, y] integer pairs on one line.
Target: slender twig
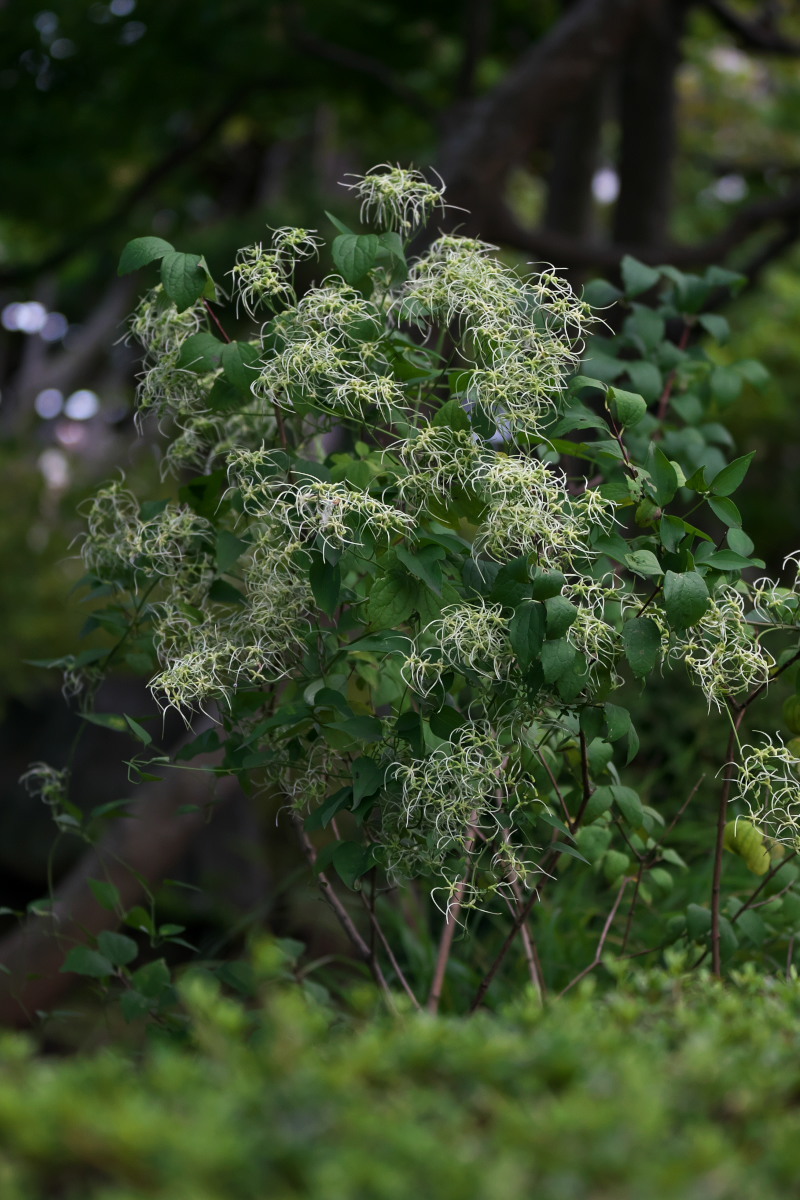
{"points": [[663, 402], [521, 918], [586, 782], [556, 788], [789, 957], [674, 822], [343, 916], [632, 907], [722, 816], [598, 954], [449, 929], [376, 928], [216, 320], [750, 903]]}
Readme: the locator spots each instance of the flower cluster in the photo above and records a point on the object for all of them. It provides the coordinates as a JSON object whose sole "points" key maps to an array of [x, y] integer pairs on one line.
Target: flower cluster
{"points": [[722, 651], [767, 781], [397, 198]]}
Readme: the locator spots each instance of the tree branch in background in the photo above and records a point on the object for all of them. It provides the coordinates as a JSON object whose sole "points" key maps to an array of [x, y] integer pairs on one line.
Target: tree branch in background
{"points": [[498, 130], [761, 35]]}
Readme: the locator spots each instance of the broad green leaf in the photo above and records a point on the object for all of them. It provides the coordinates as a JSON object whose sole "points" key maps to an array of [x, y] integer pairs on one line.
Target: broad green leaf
{"points": [[81, 960], [446, 721], [184, 278], [240, 362], [663, 476], [599, 293], [637, 277], [152, 978], [557, 658], [321, 817], [117, 948], [685, 598], [600, 801], [326, 583], [726, 385], [367, 778], [716, 326], [647, 379], [526, 631], [337, 224], [354, 255], [618, 721], [561, 613], [141, 251], [645, 326], [644, 562], [729, 478], [201, 352], [641, 638], [754, 372], [726, 510], [547, 584], [352, 860], [629, 804], [728, 560], [229, 550], [452, 416], [393, 244], [739, 542], [627, 408], [424, 565], [106, 895], [391, 601]]}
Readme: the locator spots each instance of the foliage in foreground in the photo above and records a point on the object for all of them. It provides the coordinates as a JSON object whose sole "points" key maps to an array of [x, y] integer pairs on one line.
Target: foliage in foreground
{"points": [[668, 1087]]}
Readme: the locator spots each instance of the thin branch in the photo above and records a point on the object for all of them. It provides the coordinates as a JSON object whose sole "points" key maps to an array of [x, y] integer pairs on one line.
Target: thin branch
{"points": [[556, 788], [585, 780], [598, 954], [757, 35], [674, 821], [722, 817], [376, 927], [343, 916], [449, 929]]}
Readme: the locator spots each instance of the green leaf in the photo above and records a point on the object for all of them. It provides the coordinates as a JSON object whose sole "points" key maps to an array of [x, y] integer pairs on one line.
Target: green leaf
{"points": [[391, 601], [561, 613], [628, 408], [326, 583], [201, 352], [629, 804], [547, 584], [393, 244], [526, 632], [354, 254], [321, 817], [646, 378], [367, 778], [726, 385], [83, 961], [337, 224], [113, 721], [142, 251], [726, 510], [451, 416], [728, 560], [184, 278], [637, 277], [645, 327], [352, 860], [424, 565], [685, 598], [240, 362], [446, 721], [754, 372], [644, 562], [663, 476], [716, 326], [641, 638], [599, 293], [137, 730], [618, 721], [729, 478], [117, 948], [557, 658], [599, 802], [739, 542], [106, 895], [152, 978], [229, 550]]}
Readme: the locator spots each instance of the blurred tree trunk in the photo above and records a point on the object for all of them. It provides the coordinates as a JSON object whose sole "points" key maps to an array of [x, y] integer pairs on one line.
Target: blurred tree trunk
{"points": [[647, 102]]}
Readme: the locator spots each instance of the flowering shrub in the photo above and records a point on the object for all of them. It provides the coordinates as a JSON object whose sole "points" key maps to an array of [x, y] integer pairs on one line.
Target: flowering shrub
{"points": [[442, 511]]}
